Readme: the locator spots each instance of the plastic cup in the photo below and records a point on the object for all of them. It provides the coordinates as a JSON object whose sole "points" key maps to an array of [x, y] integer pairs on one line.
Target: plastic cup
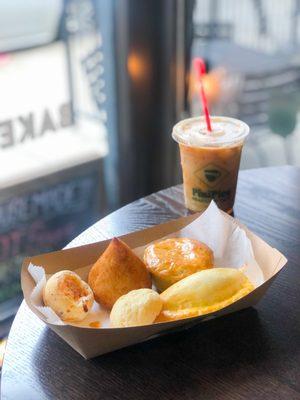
{"points": [[210, 160]]}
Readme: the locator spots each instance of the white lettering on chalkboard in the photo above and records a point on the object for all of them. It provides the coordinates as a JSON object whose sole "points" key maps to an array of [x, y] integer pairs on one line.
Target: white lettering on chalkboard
{"points": [[61, 199]]}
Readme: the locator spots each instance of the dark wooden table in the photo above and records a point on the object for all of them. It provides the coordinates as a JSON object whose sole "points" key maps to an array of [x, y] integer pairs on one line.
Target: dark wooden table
{"points": [[253, 354]]}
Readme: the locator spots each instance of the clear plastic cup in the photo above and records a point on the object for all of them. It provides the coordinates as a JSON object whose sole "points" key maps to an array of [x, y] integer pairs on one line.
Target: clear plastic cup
{"points": [[210, 160]]}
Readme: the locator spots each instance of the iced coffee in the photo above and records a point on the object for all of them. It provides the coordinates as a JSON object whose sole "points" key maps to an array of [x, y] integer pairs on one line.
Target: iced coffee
{"points": [[210, 160]]}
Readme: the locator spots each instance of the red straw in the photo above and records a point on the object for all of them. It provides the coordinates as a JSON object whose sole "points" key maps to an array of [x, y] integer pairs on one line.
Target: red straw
{"points": [[199, 66]]}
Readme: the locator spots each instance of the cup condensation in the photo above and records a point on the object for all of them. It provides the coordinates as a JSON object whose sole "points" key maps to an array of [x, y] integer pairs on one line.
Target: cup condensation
{"points": [[210, 160]]}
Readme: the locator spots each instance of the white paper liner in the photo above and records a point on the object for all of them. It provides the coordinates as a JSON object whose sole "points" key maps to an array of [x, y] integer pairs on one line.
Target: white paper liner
{"points": [[229, 242]]}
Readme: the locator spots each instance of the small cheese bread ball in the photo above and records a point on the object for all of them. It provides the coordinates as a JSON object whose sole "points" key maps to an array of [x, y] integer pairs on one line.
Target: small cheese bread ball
{"points": [[204, 292], [173, 259], [138, 307], [68, 295]]}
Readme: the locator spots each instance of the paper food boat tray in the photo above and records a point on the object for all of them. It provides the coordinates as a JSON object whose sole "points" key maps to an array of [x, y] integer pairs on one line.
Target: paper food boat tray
{"points": [[91, 342]]}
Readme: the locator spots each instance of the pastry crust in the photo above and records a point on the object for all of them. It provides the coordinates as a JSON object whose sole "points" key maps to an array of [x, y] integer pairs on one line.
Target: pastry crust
{"points": [[68, 295], [117, 272], [204, 292], [136, 308], [174, 259]]}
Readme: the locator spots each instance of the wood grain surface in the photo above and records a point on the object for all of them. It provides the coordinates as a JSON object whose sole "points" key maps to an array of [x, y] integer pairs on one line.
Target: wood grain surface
{"points": [[252, 354]]}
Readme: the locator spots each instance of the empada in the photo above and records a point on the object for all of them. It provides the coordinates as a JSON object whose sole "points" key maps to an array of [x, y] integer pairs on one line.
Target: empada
{"points": [[173, 259]]}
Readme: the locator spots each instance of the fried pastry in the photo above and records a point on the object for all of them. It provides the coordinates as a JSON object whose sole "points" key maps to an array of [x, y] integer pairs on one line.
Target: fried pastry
{"points": [[136, 308], [174, 259], [204, 292], [68, 295], [117, 272]]}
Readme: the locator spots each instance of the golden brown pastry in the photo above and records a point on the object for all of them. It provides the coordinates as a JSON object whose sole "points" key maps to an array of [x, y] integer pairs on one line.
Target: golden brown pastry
{"points": [[136, 308], [117, 272], [68, 295], [204, 292], [171, 260]]}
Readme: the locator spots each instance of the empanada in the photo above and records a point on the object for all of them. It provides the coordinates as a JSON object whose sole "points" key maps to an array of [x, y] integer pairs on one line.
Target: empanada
{"points": [[204, 292]]}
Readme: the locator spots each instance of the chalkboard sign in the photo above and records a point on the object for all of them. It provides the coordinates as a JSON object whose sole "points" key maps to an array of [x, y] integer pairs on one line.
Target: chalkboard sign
{"points": [[44, 215]]}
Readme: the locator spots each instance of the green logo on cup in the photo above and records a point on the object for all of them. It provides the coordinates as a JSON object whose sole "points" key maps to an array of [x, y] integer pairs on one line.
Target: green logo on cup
{"points": [[211, 175]]}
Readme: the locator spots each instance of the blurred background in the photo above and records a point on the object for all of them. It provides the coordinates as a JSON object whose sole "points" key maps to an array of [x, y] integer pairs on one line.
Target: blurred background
{"points": [[90, 90]]}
